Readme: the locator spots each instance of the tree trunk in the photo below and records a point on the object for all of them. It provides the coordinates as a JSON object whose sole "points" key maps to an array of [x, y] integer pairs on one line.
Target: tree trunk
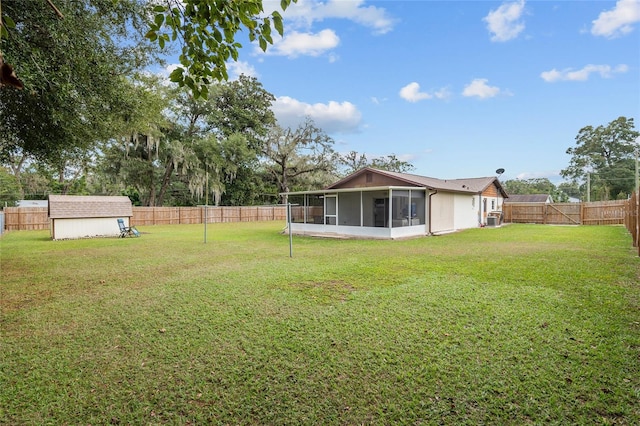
{"points": [[152, 186], [166, 179]]}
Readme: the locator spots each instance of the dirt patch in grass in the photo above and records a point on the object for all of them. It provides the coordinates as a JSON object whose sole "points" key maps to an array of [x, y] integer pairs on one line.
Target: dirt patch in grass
{"points": [[330, 289]]}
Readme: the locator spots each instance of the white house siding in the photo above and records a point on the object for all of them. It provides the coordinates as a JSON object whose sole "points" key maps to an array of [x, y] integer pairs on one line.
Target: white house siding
{"points": [[465, 211], [442, 209], [62, 229]]}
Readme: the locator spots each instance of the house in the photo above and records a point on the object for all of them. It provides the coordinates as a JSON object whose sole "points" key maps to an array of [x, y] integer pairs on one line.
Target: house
{"points": [[376, 203], [530, 198], [79, 216]]}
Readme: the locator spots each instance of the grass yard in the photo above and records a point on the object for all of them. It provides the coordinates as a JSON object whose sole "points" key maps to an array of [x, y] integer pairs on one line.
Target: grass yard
{"points": [[524, 324]]}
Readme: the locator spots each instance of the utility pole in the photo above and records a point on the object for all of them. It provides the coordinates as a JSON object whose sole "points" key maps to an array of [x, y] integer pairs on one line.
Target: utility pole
{"points": [[588, 187], [206, 200]]}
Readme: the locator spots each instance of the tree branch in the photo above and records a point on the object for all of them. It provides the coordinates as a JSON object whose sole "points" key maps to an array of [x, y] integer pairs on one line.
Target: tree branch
{"points": [[55, 9]]}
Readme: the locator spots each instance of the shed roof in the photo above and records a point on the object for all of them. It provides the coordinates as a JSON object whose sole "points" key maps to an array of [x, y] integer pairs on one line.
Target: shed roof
{"points": [[88, 206], [469, 185]]}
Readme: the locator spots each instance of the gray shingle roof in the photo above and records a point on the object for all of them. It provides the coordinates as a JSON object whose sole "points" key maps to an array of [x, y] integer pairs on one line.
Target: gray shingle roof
{"points": [[470, 185], [88, 206]]}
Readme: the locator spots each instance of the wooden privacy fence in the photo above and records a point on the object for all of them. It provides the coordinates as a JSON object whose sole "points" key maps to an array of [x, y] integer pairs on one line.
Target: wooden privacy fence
{"points": [[34, 218], [25, 218], [184, 215], [597, 213], [632, 219]]}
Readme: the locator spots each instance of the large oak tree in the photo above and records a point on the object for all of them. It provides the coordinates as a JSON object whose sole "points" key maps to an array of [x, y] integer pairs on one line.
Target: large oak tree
{"points": [[606, 155]]}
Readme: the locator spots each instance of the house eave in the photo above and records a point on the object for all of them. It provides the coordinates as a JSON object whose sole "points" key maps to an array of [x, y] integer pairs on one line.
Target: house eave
{"points": [[360, 189]]}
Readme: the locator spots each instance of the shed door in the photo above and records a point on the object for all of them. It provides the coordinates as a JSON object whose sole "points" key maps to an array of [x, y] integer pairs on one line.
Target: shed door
{"points": [[331, 209]]}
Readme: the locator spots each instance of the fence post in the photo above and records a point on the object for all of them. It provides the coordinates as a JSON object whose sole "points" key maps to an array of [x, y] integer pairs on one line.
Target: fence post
{"points": [[637, 217]]}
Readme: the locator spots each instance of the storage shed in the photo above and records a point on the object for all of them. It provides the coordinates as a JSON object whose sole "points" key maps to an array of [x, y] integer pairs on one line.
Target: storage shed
{"points": [[80, 216]]}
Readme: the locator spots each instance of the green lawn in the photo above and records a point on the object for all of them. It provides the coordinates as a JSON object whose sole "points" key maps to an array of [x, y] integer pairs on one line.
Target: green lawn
{"points": [[516, 325]]}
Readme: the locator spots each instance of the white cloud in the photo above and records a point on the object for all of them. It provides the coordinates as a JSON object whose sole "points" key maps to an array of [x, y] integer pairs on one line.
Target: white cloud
{"points": [[479, 88], [305, 12], [504, 22], [411, 93], [235, 69], [583, 74], [332, 117], [296, 44], [552, 175], [617, 21]]}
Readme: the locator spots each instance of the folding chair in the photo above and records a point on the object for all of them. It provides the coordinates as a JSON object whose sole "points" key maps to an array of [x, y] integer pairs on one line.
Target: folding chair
{"points": [[127, 231]]}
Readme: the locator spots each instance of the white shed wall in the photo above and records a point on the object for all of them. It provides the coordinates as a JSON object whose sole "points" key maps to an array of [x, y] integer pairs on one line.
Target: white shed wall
{"points": [[62, 229]]}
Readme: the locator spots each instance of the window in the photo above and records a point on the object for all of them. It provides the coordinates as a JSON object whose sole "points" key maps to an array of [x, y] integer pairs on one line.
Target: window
{"points": [[369, 177], [493, 204]]}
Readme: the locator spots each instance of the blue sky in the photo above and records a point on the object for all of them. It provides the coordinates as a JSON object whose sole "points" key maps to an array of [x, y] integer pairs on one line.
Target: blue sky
{"points": [[457, 88]]}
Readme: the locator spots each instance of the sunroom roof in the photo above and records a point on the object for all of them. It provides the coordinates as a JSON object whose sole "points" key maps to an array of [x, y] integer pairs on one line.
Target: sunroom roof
{"points": [[361, 189]]}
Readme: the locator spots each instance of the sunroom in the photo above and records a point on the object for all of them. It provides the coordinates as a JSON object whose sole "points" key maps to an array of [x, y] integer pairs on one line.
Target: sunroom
{"points": [[372, 203], [372, 212]]}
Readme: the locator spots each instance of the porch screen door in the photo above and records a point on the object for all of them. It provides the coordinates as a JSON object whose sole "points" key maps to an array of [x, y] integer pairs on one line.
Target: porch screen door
{"points": [[331, 209]]}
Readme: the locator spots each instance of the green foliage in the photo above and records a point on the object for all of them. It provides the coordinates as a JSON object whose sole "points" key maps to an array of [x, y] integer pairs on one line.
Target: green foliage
{"points": [[529, 186], [206, 31], [75, 71], [9, 189], [354, 161], [524, 324], [297, 158], [606, 153], [392, 164], [538, 186], [241, 106], [570, 189], [188, 151]]}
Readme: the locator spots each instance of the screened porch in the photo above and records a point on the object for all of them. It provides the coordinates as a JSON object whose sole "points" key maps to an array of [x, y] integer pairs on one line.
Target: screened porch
{"points": [[387, 212]]}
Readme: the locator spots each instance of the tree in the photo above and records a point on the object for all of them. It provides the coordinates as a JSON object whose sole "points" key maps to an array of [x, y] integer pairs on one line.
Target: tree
{"points": [[76, 72], [206, 31], [570, 190], [232, 121], [9, 188], [354, 161], [535, 186], [606, 154], [291, 155], [392, 163], [529, 186], [179, 149]]}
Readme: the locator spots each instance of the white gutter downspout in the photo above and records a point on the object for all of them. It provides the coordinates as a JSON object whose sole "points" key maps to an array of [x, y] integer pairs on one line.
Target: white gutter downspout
{"points": [[429, 212]]}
